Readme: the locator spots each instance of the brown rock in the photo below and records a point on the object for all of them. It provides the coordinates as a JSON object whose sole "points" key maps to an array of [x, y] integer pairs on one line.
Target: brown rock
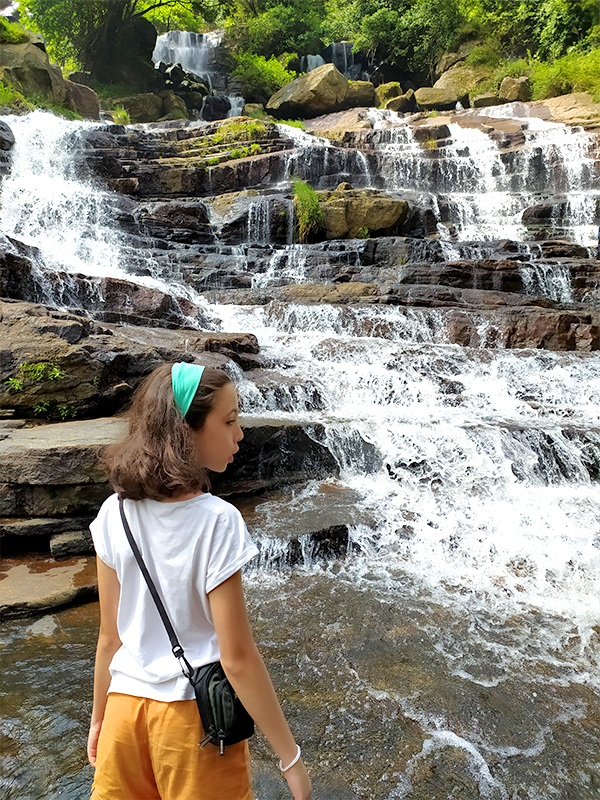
{"points": [[321, 91], [174, 107], [82, 100], [515, 89], [485, 100], [32, 586], [436, 99], [462, 79], [385, 92], [353, 213], [403, 104], [146, 107], [27, 68], [360, 94]]}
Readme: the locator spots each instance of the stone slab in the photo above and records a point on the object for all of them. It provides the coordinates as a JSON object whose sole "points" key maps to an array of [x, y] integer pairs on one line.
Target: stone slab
{"points": [[33, 585], [60, 453]]}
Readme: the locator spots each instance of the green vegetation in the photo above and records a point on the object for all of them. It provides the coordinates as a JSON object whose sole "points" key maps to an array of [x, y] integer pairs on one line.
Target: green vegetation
{"points": [[309, 217], [293, 123], [260, 77], [574, 72], [120, 116], [38, 372], [555, 42], [12, 32], [10, 98], [270, 28]]}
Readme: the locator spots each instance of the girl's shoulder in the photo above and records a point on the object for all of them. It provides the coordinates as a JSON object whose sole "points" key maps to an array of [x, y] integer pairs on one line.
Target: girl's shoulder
{"points": [[219, 506]]}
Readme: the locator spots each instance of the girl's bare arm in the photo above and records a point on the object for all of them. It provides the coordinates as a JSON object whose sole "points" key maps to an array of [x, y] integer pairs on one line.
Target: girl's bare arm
{"points": [[248, 675], [109, 590]]}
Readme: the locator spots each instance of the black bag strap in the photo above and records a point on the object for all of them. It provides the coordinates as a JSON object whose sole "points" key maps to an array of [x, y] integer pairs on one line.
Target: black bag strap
{"points": [[177, 649]]}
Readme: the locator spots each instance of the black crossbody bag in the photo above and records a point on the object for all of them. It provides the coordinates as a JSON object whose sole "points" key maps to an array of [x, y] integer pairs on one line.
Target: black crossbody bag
{"points": [[224, 718]]}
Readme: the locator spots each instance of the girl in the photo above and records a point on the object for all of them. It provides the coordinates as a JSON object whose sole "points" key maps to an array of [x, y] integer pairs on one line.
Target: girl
{"points": [[145, 727]]}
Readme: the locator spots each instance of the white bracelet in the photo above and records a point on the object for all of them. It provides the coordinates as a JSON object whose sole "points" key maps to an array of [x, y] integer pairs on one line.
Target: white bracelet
{"points": [[291, 764]]}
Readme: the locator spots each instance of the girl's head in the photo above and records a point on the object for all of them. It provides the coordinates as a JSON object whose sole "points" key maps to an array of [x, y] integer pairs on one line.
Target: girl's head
{"points": [[169, 447]]}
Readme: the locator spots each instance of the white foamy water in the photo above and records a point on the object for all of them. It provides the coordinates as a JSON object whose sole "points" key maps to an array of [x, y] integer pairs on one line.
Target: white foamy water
{"points": [[49, 201], [476, 466]]}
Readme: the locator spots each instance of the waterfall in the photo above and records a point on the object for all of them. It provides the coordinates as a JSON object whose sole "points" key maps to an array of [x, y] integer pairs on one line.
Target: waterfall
{"points": [[197, 53], [50, 202], [194, 52], [466, 611]]}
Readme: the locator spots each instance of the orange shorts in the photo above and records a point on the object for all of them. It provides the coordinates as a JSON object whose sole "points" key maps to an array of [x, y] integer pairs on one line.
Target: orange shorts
{"points": [[148, 750]]}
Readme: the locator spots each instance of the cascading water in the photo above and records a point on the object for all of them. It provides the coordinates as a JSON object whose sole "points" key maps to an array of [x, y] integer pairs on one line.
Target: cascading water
{"points": [[192, 51], [49, 202], [464, 623], [195, 53]]}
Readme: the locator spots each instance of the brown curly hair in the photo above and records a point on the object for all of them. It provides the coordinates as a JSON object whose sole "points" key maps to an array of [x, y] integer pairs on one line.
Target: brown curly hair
{"points": [[157, 458]]}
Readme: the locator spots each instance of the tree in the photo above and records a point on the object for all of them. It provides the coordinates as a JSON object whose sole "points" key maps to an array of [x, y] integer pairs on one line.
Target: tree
{"points": [[90, 32]]}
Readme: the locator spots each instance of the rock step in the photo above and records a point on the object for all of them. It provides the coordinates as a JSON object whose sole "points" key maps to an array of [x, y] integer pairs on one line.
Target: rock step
{"points": [[52, 470], [35, 584], [290, 528]]}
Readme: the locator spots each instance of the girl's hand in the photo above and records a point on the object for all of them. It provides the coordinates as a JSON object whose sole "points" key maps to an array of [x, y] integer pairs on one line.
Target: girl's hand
{"points": [[299, 782], [92, 742]]}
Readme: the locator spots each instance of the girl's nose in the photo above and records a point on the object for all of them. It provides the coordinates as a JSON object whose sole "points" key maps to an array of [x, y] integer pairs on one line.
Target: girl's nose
{"points": [[240, 434]]}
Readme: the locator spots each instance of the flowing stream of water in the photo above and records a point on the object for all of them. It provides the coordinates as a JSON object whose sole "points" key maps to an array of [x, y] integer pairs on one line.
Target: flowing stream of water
{"points": [[463, 628]]}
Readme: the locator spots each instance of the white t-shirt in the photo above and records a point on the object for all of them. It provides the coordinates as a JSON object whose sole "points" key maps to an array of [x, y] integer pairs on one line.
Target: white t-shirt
{"points": [[189, 547]]}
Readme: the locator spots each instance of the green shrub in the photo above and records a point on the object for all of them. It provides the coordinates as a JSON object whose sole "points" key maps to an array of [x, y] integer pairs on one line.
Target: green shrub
{"points": [[260, 78], [293, 123], [212, 162], [40, 372], [121, 116], [574, 72], [12, 32], [309, 217], [11, 98]]}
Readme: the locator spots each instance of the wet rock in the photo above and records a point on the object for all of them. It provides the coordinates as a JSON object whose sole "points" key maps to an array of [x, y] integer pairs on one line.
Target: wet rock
{"points": [[98, 365], [75, 543], [46, 626], [360, 212], [32, 586], [322, 91], [7, 137], [339, 124], [215, 108], [274, 454]]}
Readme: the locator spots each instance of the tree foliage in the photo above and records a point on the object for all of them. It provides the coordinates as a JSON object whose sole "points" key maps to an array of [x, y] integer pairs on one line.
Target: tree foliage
{"points": [[411, 34], [268, 28], [86, 32]]}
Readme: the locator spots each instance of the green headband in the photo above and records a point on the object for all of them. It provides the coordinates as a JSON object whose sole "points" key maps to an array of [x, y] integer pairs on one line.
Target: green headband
{"points": [[185, 379]]}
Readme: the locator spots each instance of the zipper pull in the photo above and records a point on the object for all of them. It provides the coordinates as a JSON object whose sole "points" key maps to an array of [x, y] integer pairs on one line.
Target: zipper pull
{"points": [[205, 741]]}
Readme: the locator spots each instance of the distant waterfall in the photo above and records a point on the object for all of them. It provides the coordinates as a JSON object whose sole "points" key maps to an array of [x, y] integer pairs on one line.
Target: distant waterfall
{"points": [[193, 51], [197, 53]]}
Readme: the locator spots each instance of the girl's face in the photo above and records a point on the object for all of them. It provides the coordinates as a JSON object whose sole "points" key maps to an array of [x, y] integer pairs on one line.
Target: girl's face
{"points": [[217, 440]]}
